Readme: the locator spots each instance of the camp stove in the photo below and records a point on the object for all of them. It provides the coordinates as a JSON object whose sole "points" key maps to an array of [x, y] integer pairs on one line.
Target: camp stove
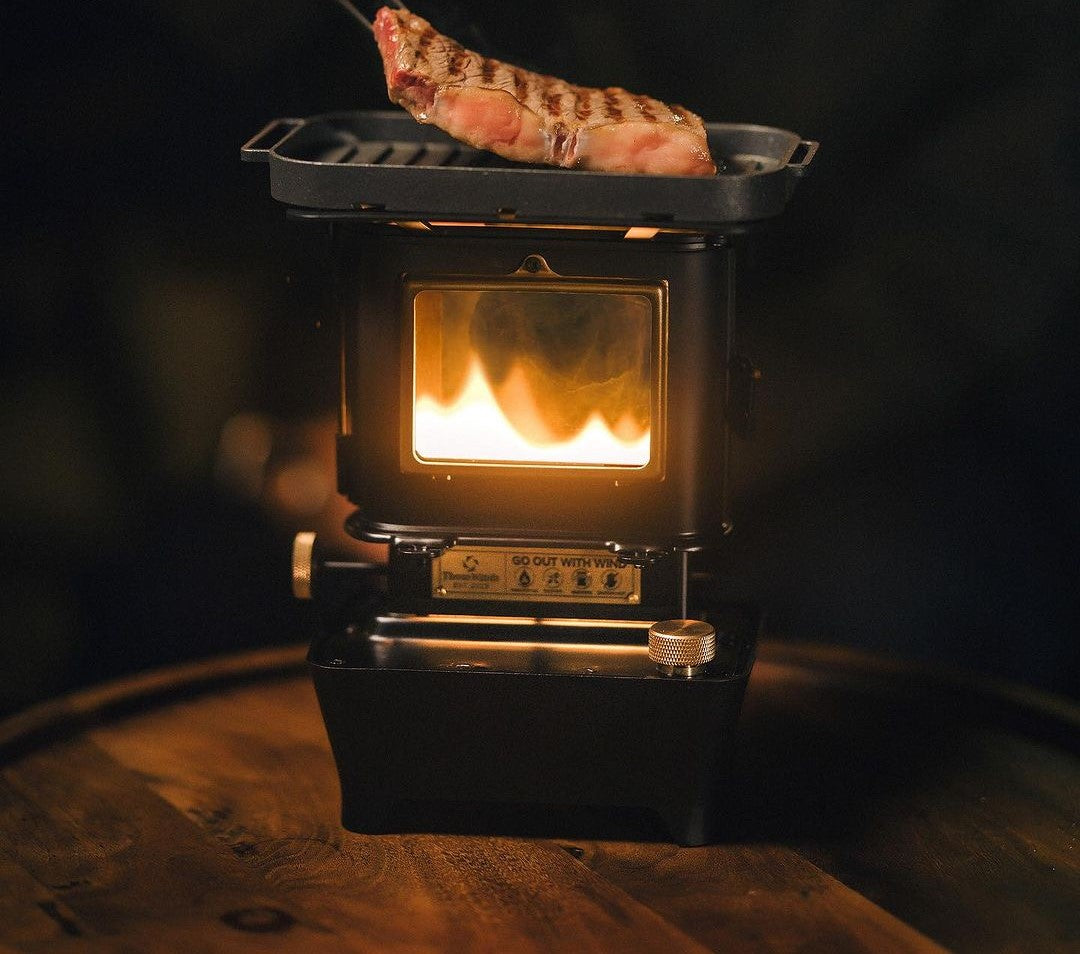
{"points": [[539, 393]]}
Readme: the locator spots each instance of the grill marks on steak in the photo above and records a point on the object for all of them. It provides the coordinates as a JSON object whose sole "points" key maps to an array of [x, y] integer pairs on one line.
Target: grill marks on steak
{"points": [[529, 117]]}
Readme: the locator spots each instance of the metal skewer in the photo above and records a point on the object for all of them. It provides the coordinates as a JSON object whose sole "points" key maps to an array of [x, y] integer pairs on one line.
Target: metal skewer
{"points": [[356, 14]]}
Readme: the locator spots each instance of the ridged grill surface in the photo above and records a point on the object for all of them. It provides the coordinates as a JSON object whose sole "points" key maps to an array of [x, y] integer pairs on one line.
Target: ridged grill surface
{"points": [[348, 150], [682, 642]]}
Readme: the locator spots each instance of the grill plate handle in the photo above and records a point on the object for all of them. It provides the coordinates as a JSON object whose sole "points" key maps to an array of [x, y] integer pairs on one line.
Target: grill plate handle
{"points": [[801, 155], [273, 134]]}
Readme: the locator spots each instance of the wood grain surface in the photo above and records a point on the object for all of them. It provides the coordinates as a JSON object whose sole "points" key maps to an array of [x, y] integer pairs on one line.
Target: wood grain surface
{"points": [[874, 807]]}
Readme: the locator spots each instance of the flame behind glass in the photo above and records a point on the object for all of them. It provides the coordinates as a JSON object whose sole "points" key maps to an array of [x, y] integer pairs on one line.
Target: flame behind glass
{"points": [[533, 377]]}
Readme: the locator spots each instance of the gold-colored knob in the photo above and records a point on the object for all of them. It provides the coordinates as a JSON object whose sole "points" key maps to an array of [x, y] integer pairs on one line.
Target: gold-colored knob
{"points": [[303, 556], [682, 647]]}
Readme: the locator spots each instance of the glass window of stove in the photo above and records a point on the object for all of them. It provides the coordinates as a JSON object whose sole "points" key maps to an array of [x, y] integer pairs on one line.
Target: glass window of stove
{"points": [[534, 377]]}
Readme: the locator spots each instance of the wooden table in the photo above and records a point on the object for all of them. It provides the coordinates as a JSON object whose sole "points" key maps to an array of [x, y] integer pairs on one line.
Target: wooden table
{"points": [[878, 807]]}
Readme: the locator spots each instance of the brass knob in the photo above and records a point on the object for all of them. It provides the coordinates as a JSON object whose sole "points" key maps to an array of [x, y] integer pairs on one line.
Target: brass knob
{"points": [[303, 558], [682, 647]]}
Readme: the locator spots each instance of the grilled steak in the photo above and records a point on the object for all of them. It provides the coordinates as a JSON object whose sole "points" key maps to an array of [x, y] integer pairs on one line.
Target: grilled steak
{"points": [[529, 117]]}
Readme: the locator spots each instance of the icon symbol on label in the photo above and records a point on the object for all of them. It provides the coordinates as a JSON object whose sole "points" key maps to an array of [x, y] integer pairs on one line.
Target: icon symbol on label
{"points": [[470, 563], [611, 580], [553, 578], [524, 578], [581, 579]]}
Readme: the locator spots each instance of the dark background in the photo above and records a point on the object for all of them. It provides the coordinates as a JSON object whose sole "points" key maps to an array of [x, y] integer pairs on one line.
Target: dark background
{"points": [[912, 486]]}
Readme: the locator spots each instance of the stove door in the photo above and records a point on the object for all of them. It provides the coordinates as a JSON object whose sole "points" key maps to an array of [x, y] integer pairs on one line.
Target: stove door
{"points": [[534, 371]]}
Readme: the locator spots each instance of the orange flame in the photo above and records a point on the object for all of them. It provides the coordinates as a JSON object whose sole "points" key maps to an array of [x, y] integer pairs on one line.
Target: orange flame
{"points": [[474, 428]]}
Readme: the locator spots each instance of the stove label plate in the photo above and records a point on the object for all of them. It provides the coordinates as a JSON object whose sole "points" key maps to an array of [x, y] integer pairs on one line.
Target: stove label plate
{"points": [[534, 575]]}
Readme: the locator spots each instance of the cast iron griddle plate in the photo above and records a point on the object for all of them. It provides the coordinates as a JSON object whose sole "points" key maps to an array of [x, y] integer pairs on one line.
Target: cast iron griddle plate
{"points": [[380, 165]]}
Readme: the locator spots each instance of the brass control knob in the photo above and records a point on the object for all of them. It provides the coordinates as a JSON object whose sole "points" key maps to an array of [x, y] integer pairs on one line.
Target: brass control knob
{"points": [[303, 561], [682, 647]]}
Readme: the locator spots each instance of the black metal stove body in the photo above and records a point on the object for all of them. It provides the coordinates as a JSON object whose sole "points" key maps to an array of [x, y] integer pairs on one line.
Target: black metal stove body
{"points": [[577, 284], [537, 418]]}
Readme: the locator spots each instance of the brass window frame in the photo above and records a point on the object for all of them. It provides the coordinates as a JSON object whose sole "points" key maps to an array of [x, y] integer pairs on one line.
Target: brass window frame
{"points": [[537, 278]]}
